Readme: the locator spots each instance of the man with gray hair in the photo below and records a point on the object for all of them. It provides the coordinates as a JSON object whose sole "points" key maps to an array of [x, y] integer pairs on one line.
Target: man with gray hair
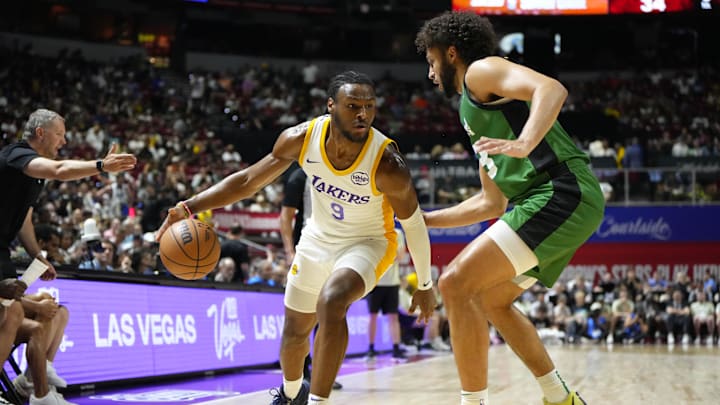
{"points": [[24, 167]]}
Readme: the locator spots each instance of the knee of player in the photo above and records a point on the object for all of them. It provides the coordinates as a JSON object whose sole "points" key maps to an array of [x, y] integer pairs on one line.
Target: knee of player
{"points": [[293, 336], [296, 329], [15, 316], [333, 303], [452, 285], [63, 314]]}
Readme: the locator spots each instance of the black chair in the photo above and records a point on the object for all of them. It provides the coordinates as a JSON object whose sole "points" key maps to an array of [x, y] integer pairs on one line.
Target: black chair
{"points": [[9, 391]]}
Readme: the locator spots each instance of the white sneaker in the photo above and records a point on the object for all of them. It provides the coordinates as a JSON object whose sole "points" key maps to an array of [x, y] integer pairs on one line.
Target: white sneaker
{"points": [[439, 345], [610, 339], [52, 398], [709, 341], [671, 339], [54, 378], [23, 386], [685, 339]]}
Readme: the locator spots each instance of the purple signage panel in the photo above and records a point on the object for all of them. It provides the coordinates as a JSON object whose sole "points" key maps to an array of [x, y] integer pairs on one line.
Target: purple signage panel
{"points": [[122, 330]]}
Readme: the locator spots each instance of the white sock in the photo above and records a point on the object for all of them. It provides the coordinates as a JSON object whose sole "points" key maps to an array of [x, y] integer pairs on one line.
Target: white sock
{"points": [[553, 387], [474, 397], [317, 400], [291, 388]]}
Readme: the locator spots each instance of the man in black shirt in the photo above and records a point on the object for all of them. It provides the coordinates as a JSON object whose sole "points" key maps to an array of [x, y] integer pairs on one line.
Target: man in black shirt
{"points": [[233, 248], [24, 167], [293, 209]]}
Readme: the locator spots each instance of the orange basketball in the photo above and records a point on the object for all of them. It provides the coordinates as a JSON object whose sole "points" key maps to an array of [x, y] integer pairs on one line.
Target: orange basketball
{"points": [[189, 249]]}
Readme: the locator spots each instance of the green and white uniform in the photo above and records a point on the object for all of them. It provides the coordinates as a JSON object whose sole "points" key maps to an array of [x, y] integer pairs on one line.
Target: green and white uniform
{"points": [[557, 202]]}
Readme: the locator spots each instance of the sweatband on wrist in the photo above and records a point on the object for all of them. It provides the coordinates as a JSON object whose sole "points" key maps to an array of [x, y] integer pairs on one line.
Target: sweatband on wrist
{"points": [[418, 243], [184, 208]]}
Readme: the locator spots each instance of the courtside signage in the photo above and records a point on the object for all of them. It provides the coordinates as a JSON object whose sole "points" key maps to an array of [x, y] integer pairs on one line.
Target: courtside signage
{"points": [[123, 331]]}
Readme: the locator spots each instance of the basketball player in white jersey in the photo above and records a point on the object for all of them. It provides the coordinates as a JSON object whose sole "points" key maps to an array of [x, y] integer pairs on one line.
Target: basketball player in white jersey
{"points": [[359, 181]]}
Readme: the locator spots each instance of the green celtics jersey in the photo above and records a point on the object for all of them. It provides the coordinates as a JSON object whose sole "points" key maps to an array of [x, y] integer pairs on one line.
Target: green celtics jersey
{"points": [[504, 119]]}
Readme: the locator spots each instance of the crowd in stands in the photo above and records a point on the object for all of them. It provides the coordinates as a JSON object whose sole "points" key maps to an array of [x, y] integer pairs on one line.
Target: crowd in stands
{"points": [[627, 310], [172, 123]]}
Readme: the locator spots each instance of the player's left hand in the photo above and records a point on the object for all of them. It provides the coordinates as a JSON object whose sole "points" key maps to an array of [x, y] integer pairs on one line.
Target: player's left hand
{"points": [[426, 301], [174, 214], [513, 148]]}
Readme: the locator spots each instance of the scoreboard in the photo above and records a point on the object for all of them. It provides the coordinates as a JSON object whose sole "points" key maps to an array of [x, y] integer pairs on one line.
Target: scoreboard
{"points": [[583, 7]]}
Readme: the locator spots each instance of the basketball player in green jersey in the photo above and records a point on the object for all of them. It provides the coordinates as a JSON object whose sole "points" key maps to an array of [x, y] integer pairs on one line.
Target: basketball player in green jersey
{"points": [[526, 159]]}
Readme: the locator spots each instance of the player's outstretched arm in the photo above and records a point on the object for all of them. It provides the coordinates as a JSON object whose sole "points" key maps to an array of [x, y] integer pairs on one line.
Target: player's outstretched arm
{"points": [[244, 183], [488, 204], [393, 179]]}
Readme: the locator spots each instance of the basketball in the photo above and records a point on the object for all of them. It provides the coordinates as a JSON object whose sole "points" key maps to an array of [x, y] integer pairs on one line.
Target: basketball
{"points": [[189, 249]]}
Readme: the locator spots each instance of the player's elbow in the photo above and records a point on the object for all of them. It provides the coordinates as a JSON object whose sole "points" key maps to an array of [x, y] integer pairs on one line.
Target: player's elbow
{"points": [[559, 90], [495, 207]]}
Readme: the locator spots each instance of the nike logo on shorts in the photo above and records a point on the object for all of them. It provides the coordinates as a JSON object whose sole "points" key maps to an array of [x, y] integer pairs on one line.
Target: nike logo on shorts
{"points": [[312, 161]]}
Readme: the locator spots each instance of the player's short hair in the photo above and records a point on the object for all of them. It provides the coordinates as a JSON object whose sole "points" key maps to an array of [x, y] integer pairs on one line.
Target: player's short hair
{"points": [[348, 77], [39, 118], [471, 34]]}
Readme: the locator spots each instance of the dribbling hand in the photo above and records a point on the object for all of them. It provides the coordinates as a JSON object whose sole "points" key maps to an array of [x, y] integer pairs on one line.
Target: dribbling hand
{"points": [[426, 301], [175, 214]]}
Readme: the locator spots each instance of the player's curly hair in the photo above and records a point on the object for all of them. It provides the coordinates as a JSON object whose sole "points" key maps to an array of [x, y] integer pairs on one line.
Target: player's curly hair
{"points": [[347, 77], [472, 35]]}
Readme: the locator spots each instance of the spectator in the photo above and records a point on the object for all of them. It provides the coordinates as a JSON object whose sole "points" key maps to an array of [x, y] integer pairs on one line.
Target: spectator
{"points": [[622, 307], [234, 248], [49, 242], [262, 274], [125, 264], [632, 283], [702, 312], [541, 310], [577, 324], [597, 326], [678, 318], [145, 263], [562, 314], [634, 327], [103, 258], [225, 270]]}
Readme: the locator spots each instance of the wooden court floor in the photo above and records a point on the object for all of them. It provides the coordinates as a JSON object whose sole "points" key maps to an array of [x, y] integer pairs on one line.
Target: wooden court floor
{"points": [[651, 374]]}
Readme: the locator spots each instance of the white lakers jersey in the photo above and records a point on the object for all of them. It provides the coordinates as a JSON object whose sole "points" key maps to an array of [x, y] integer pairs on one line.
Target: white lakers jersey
{"points": [[346, 204]]}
